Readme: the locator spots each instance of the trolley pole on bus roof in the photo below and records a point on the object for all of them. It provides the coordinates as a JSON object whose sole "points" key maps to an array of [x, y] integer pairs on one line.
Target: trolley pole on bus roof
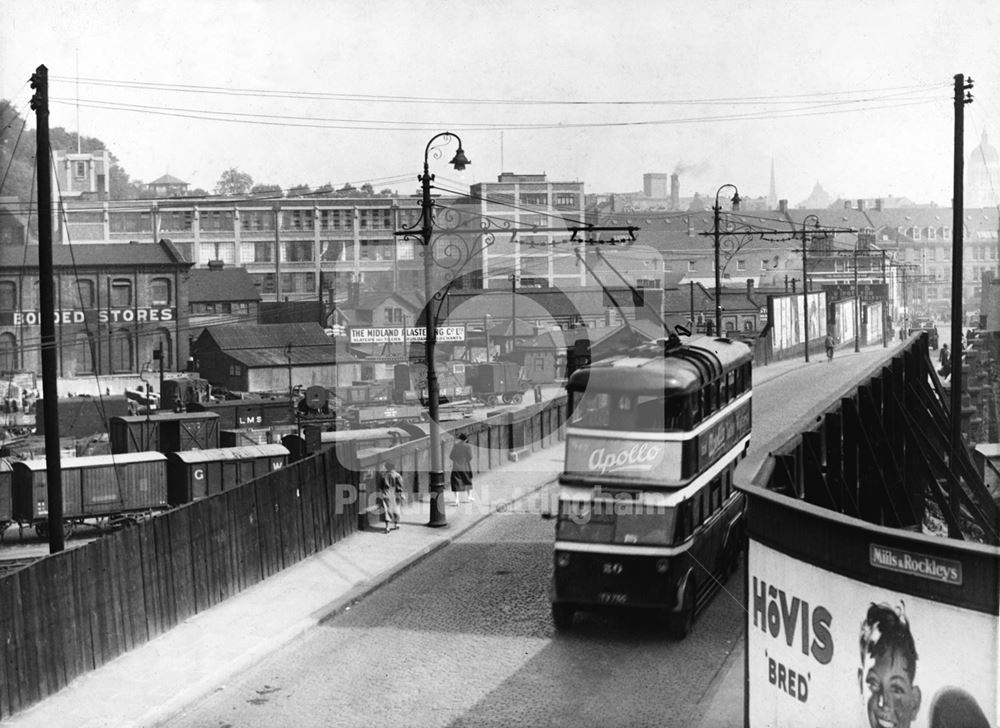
{"points": [[46, 286], [718, 270]]}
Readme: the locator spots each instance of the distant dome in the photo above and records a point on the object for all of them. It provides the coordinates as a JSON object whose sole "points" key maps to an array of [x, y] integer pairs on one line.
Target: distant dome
{"points": [[984, 153], [982, 176]]}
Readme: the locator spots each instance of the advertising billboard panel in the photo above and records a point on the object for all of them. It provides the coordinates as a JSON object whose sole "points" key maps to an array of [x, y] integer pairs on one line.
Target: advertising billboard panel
{"points": [[826, 649]]}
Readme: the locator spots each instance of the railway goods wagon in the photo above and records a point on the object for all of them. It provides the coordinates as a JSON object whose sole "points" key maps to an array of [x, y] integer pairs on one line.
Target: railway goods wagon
{"points": [[167, 432], [97, 486], [195, 474], [236, 414], [497, 382]]}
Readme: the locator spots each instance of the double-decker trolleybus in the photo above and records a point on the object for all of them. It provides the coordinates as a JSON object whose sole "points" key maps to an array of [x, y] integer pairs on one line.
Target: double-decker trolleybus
{"points": [[648, 517]]}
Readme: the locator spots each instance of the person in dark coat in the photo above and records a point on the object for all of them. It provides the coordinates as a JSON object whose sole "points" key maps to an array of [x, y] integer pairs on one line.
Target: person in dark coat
{"points": [[390, 494], [461, 469]]}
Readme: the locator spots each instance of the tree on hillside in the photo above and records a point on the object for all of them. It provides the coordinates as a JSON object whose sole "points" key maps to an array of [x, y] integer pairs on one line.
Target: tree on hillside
{"points": [[18, 141], [17, 153], [298, 190], [233, 182], [367, 189]]}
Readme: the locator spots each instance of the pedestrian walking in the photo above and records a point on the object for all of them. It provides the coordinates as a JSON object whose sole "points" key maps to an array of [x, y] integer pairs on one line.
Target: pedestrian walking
{"points": [[944, 358], [390, 495], [461, 470], [829, 342]]}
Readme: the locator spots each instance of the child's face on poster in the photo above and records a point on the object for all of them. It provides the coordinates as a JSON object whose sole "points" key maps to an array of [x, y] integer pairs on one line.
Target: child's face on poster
{"points": [[892, 699]]}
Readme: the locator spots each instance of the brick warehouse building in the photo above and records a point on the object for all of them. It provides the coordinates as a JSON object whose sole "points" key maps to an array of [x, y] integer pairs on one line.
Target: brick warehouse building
{"points": [[115, 305]]}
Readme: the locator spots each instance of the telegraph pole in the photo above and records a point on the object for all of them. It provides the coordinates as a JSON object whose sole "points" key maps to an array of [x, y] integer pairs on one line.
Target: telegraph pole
{"points": [[46, 286], [963, 96]]}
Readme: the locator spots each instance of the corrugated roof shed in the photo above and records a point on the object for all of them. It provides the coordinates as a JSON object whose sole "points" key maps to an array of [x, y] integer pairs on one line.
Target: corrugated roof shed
{"points": [[260, 345]]}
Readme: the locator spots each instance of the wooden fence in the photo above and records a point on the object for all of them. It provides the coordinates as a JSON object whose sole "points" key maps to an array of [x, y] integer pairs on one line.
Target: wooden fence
{"points": [[71, 612]]}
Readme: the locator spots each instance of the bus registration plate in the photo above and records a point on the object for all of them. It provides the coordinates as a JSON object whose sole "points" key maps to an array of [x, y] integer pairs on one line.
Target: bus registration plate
{"points": [[612, 597]]}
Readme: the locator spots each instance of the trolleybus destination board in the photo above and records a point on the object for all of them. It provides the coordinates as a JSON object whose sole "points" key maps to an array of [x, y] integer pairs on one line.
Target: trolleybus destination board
{"points": [[400, 334]]}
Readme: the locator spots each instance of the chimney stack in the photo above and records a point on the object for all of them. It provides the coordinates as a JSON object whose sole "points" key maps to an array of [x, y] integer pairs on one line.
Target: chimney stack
{"points": [[861, 204], [675, 192], [782, 205], [878, 204], [215, 265]]}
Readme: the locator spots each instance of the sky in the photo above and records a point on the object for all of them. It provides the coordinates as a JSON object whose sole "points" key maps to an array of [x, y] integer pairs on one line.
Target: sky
{"points": [[856, 95]]}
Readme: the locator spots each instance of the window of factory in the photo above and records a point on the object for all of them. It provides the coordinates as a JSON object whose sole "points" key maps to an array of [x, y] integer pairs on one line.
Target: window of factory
{"points": [[8, 352], [260, 252], [8, 296], [215, 220], [121, 351], [692, 266], [159, 292], [298, 283], [133, 222], [332, 250], [297, 219], [254, 220], [565, 199], [176, 221], [378, 219], [298, 251], [376, 250], [121, 293], [404, 250], [741, 265], [335, 220], [80, 170]]}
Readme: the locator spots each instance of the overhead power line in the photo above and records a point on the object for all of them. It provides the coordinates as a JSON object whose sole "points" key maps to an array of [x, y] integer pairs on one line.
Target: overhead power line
{"points": [[823, 109], [437, 100]]}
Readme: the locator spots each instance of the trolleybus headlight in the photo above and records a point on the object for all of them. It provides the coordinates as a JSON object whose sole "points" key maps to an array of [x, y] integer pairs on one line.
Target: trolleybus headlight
{"points": [[662, 565], [562, 559]]}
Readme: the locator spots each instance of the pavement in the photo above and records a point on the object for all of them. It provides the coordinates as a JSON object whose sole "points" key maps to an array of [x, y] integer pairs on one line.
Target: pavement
{"points": [[152, 683]]}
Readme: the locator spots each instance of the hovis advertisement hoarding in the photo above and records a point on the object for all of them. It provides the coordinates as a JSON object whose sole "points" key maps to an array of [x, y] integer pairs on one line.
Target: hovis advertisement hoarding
{"points": [[827, 650]]}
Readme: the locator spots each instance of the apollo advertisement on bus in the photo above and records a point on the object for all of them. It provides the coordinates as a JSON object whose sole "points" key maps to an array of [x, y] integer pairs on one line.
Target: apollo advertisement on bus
{"points": [[607, 457], [90, 315], [825, 649]]}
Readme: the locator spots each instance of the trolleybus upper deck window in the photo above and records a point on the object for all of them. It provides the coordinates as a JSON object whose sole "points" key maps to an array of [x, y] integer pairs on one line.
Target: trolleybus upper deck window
{"points": [[642, 413]]}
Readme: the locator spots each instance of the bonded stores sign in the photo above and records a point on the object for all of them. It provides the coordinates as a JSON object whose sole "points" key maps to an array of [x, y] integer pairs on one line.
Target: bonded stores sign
{"points": [[90, 315], [399, 334]]}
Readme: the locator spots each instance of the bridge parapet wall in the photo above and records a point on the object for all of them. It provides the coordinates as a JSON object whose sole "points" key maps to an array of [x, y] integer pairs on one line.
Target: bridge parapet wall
{"points": [[71, 612], [868, 542]]}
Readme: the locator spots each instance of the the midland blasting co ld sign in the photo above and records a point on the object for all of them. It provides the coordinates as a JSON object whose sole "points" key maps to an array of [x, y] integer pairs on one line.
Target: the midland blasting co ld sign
{"points": [[401, 334]]}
